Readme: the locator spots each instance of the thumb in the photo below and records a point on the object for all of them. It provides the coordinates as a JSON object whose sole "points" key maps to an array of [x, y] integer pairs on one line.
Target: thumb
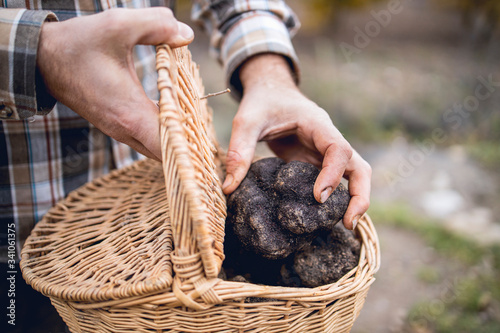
{"points": [[239, 155], [153, 26]]}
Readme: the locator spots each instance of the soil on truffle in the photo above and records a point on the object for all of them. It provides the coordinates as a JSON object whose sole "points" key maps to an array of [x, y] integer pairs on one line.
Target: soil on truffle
{"points": [[273, 212], [278, 234], [325, 261], [330, 256]]}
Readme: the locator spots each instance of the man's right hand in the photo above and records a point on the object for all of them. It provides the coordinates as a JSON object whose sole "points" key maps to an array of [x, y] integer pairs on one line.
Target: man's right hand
{"points": [[87, 64]]}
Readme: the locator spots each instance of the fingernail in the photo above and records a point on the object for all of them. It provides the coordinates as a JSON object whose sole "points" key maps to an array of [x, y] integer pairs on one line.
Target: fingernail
{"points": [[326, 194], [185, 31], [355, 221], [228, 181]]}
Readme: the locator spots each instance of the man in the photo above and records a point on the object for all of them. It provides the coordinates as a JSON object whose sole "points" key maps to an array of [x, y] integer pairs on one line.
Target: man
{"points": [[71, 71]]}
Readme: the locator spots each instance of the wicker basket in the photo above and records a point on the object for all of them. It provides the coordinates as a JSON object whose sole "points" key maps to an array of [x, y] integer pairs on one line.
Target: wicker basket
{"points": [[140, 249]]}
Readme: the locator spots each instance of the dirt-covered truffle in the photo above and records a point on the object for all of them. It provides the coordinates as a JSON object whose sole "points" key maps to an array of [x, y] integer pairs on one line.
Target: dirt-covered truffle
{"points": [[253, 267], [273, 212], [325, 261]]}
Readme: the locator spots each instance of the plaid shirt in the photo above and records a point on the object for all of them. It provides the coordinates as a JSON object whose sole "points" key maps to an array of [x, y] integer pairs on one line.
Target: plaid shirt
{"points": [[47, 150]]}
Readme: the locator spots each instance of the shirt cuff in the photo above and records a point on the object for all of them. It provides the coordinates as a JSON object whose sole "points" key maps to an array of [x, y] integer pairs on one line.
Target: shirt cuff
{"points": [[255, 33], [24, 93]]}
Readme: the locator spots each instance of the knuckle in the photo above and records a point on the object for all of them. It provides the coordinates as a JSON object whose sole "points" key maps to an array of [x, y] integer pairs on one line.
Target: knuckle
{"points": [[346, 149], [164, 12], [242, 126], [233, 157], [364, 204], [239, 122], [167, 24], [364, 167], [129, 124], [360, 205], [361, 166], [368, 168], [116, 22], [340, 149], [114, 18]]}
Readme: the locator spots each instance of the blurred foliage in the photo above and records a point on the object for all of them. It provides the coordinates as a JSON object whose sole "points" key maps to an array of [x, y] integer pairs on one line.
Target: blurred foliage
{"points": [[428, 274], [469, 306], [486, 152], [471, 302], [447, 243]]}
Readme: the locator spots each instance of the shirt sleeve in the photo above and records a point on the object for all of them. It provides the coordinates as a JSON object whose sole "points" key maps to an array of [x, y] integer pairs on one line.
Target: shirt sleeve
{"points": [[22, 91], [240, 29]]}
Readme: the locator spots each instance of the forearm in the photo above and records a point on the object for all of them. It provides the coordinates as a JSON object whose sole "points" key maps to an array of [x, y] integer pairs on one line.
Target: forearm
{"points": [[266, 70], [22, 92]]}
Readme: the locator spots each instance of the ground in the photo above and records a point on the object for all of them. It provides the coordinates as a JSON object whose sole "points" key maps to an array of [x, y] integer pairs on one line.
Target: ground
{"points": [[398, 286]]}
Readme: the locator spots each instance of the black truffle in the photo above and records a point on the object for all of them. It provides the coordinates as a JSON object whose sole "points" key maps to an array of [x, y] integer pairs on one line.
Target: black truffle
{"points": [[325, 261], [273, 212]]}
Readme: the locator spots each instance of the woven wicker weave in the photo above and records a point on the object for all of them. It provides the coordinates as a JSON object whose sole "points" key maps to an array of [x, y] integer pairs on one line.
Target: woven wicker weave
{"points": [[140, 249]]}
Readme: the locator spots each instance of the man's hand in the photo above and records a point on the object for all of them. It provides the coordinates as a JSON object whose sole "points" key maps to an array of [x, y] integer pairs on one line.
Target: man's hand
{"points": [[274, 110], [87, 64]]}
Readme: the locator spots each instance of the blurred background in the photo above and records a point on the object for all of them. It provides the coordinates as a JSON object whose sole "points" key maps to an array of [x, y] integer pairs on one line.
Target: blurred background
{"points": [[414, 86]]}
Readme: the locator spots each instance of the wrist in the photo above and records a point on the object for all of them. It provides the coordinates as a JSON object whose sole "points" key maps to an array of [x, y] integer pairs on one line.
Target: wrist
{"points": [[44, 96], [266, 70], [43, 57]]}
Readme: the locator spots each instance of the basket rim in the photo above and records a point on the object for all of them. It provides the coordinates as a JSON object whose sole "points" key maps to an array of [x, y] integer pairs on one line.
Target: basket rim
{"points": [[157, 283]]}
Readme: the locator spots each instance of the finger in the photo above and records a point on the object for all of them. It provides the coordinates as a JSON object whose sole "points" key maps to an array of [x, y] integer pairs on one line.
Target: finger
{"points": [[359, 189], [133, 143], [152, 26], [140, 148], [240, 154], [138, 126], [337, 154], [160, 26], [149, 132]]}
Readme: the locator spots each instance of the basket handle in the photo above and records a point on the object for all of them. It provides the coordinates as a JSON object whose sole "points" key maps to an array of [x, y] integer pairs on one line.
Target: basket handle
{"points": [[197, 204]]}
